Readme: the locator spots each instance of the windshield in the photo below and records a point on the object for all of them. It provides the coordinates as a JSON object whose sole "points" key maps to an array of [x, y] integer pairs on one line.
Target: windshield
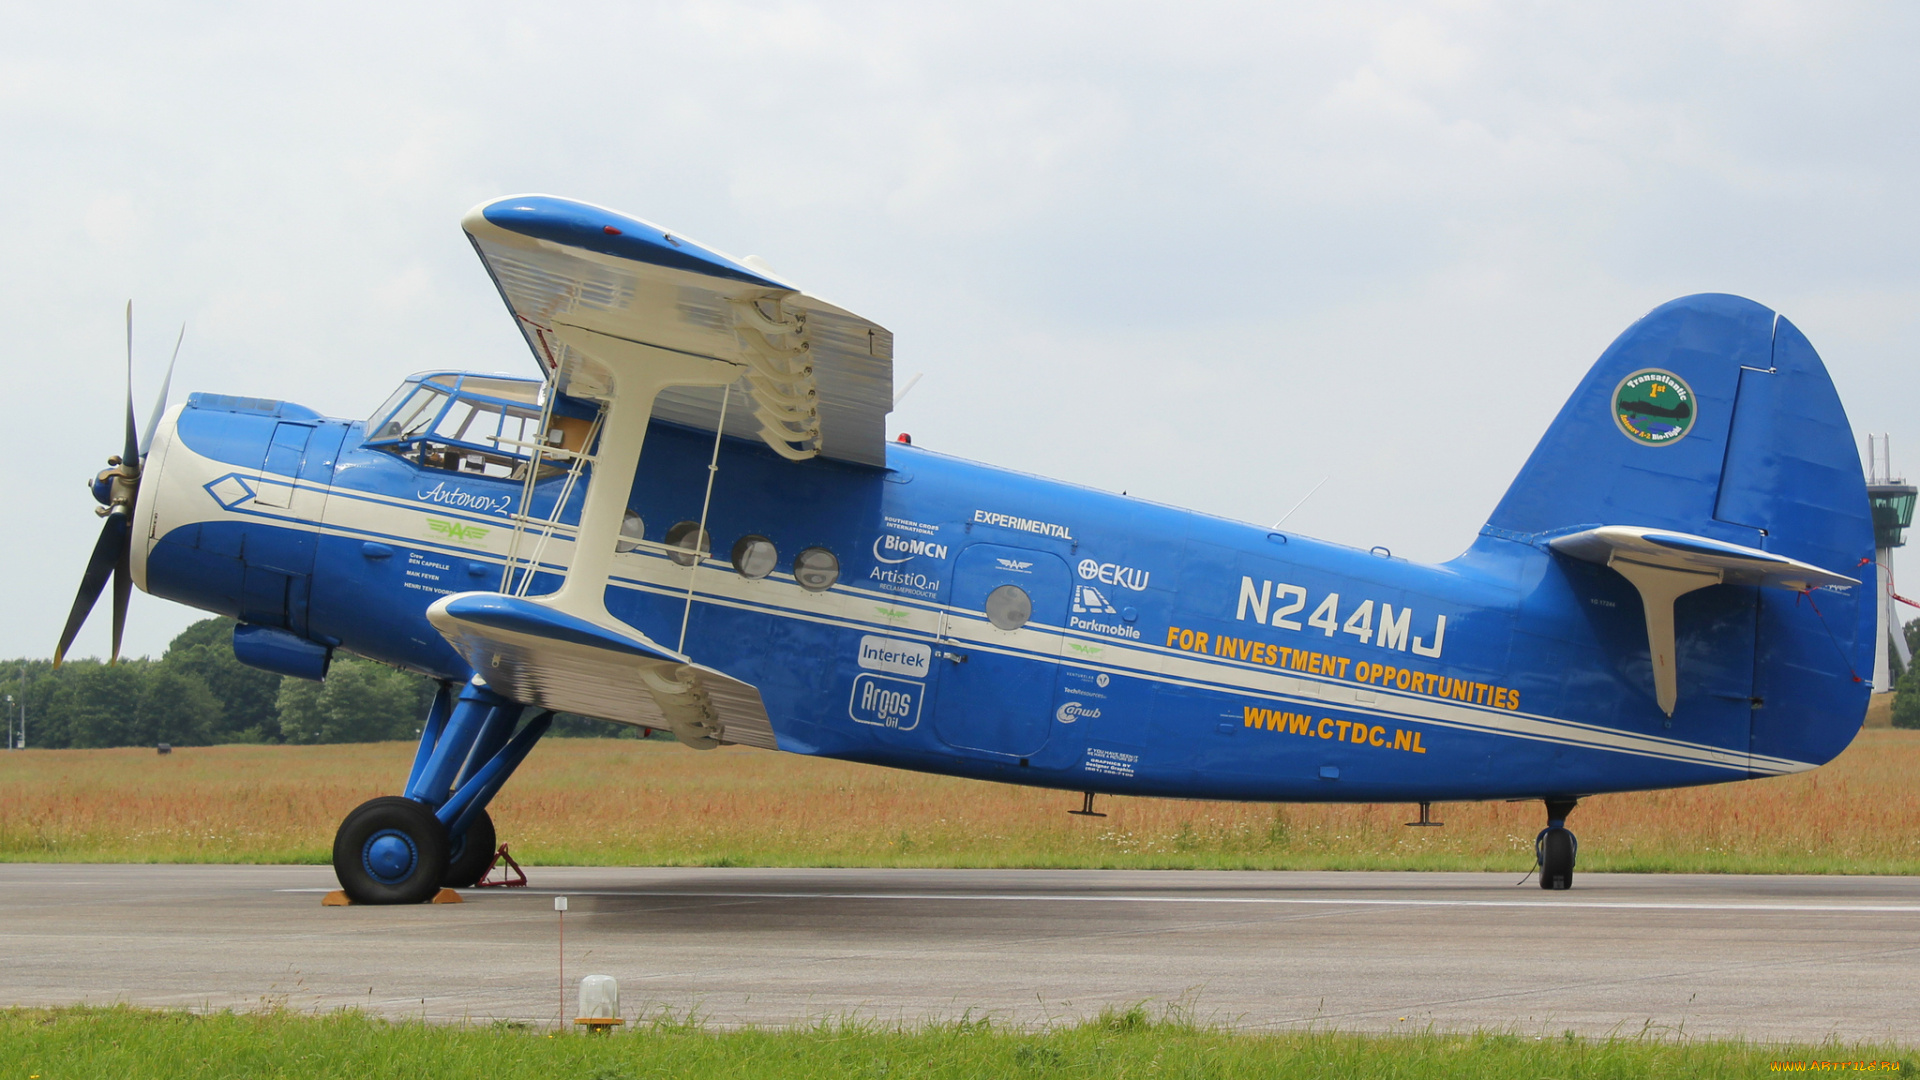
{"points": [[473, 424]]}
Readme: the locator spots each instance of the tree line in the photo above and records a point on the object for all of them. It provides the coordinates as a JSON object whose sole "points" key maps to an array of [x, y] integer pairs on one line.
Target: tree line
{"points": [[197, 694]]}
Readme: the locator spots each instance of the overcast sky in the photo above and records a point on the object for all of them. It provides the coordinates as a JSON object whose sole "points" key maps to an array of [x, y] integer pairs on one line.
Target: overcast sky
{"points": [[1203, 253]]}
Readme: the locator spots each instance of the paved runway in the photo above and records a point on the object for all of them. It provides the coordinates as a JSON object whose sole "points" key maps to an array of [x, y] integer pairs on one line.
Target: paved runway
{"points": [[1766, 957]]}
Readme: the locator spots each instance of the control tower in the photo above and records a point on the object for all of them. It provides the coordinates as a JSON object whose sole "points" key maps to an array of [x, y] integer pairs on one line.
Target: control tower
{"points": [[1892, 499]]}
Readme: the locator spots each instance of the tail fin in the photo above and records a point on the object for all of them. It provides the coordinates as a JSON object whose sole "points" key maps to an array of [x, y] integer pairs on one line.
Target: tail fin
{"points": [[1713, 417]]}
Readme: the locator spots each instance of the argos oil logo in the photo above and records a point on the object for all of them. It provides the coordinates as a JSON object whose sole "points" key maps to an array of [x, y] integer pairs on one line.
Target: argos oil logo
{"points": [[885, 702]]}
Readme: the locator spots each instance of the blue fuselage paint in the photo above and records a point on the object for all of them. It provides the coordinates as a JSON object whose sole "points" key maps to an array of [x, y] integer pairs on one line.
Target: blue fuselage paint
{"points": [[1167, 653]]}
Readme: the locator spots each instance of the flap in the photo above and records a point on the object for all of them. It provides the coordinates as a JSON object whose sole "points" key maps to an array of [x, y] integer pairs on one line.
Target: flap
{"points": [[816, 379], [534, 654]]}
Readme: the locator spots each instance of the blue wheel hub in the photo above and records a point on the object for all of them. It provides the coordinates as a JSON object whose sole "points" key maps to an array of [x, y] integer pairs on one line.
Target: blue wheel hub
{"points": [[390, 856]]}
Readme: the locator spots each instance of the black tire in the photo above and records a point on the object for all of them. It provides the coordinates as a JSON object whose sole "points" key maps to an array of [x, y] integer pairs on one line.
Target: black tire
{"points": [[471, 854], [1557, 849], [390, 850]]}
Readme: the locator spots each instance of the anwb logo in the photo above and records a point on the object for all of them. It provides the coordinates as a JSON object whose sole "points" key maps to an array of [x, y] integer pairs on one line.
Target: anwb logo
{"points": [[885, 702]]}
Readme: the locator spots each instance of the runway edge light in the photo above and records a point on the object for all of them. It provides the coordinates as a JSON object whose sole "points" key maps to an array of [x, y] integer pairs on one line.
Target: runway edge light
{"points": [[599, 1003]]}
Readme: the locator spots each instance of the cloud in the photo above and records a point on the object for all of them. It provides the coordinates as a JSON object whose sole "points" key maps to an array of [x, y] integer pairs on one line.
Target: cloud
{"points": [[1125, 241]]}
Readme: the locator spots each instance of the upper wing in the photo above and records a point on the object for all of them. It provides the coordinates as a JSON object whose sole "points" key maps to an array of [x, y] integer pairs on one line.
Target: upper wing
{"points": [[820, 378]]}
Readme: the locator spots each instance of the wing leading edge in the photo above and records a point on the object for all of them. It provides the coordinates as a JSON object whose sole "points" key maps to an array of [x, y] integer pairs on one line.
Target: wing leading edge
{"points": [[817, 379]]}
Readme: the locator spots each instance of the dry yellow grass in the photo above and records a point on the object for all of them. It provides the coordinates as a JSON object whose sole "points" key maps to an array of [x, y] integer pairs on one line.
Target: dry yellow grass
{"points": [[651, 803]]}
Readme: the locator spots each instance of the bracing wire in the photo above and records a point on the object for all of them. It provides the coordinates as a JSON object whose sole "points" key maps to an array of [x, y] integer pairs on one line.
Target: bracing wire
{"points": [[699, 538]]}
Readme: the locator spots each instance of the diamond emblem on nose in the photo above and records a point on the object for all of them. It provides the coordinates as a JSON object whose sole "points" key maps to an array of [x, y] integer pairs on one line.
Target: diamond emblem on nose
{"points": [[229, 491]]}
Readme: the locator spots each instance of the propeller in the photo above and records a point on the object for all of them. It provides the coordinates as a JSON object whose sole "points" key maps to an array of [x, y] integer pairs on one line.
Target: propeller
{"points": [[116, 488]]}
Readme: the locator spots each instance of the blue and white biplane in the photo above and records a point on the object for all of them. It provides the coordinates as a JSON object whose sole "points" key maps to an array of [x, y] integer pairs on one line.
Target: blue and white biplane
{"points": [[693, 521]]}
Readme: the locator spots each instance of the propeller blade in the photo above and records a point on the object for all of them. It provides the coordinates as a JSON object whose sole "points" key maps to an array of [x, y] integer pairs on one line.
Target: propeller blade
{"points": [[109, 552], [122, 590], [131, 456], [160, 406]]}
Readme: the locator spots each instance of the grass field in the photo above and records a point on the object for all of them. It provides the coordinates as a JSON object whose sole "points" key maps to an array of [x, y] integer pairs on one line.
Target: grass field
{"points": [[40, 1044], [628, 802]]}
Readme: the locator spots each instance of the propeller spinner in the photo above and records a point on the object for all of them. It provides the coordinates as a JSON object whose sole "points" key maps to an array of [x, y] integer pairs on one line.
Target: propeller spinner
{"points": [[116, 488]]}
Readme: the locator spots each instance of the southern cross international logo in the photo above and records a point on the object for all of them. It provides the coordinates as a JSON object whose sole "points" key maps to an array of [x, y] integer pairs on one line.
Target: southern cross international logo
{"points": [[1654, 407]]}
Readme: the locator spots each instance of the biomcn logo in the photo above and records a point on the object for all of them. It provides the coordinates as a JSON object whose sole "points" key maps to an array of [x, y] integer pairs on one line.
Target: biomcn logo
{"points": [[906, 548], [1654, 407]]}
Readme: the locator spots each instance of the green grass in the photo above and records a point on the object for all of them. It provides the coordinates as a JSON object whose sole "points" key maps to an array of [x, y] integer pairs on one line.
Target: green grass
{"points": [[628, 802], [58, 1044]]}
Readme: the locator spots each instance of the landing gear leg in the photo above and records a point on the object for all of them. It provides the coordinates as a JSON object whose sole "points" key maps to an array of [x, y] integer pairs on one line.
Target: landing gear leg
{"points": [[402, 849], [1555, 849]]}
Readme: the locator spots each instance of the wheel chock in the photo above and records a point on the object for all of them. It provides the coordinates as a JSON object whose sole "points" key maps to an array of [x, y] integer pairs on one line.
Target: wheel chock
{"points": [[339, 898], [511, 876]]}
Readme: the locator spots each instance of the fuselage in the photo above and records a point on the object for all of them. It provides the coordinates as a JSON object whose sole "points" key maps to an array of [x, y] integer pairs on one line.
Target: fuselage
{"points": [[1161, 651]]}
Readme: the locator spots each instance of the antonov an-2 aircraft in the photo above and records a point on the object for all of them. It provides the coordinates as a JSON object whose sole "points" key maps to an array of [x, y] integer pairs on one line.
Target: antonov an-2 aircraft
{"points": [[693, 521]]}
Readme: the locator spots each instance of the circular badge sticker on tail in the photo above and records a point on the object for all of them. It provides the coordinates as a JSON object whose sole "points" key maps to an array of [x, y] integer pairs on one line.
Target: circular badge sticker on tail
{"points": [[1654, 407]]}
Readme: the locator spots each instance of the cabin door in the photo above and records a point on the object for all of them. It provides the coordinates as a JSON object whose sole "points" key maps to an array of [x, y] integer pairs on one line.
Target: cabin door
{"points": [[1000, 646]]}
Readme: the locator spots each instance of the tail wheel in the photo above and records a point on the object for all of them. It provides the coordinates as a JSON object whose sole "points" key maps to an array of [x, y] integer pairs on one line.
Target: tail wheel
{"points": [[1556, 848], [390, 850], [471, 855]]}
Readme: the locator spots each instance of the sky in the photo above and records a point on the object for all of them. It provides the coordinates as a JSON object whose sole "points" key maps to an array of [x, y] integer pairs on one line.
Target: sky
{"points": [[1210, 254]]}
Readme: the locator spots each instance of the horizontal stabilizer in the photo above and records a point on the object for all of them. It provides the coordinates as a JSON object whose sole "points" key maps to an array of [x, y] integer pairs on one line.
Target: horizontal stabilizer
{"points": [[1665, 565], [530, 652], [1736, 564]]}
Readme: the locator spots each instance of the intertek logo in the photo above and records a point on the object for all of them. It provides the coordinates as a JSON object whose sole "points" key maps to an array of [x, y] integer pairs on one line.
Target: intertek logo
{"points": [[894, 656]]}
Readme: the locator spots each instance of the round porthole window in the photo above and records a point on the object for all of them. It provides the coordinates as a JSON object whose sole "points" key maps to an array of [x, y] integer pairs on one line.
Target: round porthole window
{"points": [[1009, 607], [632, 531], [754, 556], [692, 540], [816, 569]]}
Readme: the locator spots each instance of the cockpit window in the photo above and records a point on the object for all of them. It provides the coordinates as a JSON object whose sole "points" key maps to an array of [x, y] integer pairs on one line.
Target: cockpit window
{"points": [[483, 425], [415, 414]]}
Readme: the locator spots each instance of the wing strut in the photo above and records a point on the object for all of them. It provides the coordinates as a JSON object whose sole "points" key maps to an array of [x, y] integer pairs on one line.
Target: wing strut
{"points": [[713, 470], [565, 650], [635, 374]]}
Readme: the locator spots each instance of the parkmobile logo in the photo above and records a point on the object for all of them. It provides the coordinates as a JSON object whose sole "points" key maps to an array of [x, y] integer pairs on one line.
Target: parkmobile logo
{"points": [[1107, 573], [1073, 710], [906, 547]]}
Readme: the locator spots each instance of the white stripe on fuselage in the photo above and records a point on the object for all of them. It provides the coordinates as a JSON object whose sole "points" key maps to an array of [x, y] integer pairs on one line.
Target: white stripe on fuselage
{"points": [[389, 519]]}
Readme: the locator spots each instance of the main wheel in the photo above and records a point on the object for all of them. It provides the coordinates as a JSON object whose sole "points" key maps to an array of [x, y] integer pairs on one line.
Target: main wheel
{"points": [[471, 854], [1557, 848], [390, 850]]}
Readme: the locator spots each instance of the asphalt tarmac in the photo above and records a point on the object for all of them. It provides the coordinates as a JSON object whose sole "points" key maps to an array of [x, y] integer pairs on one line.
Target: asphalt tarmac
{"points": [[1802, 958]]}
